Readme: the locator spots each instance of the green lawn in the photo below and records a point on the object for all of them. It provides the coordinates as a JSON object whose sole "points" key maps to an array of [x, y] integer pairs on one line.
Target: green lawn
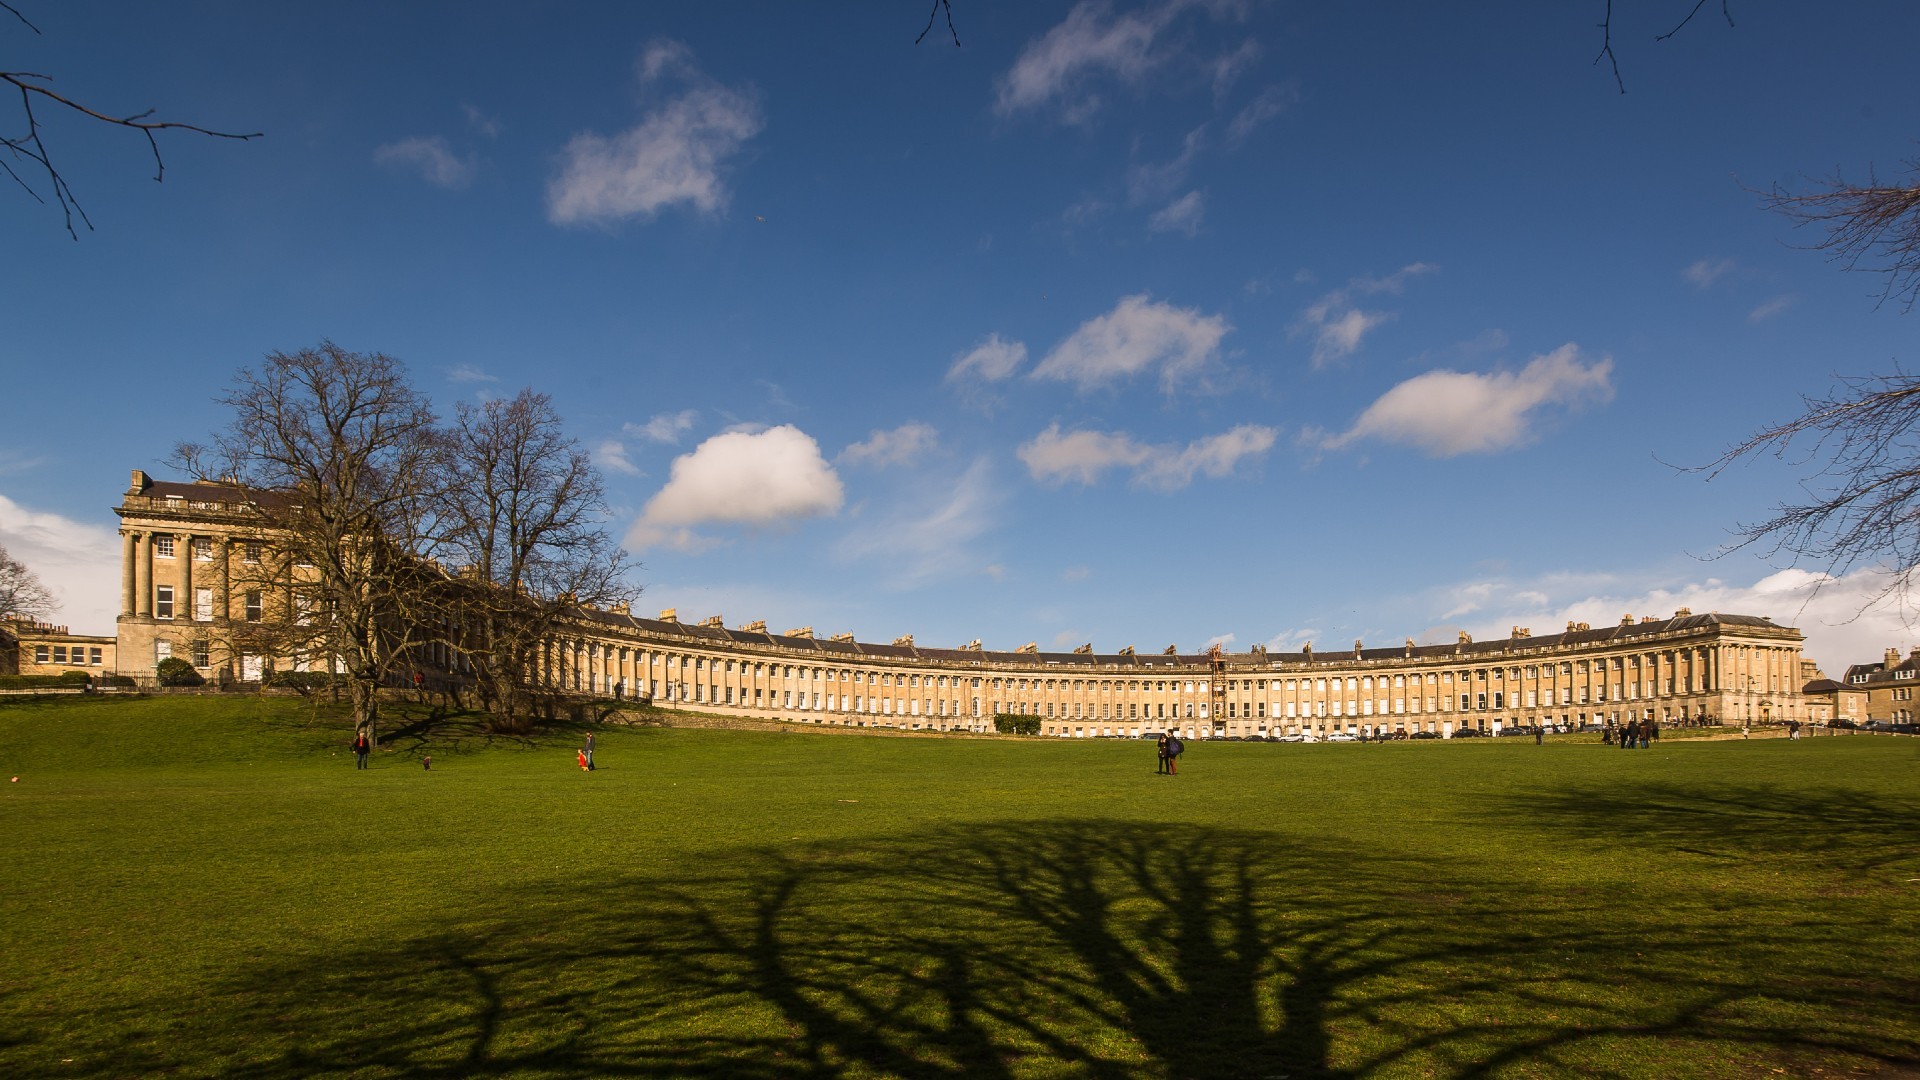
{"points": [[203, 887]]}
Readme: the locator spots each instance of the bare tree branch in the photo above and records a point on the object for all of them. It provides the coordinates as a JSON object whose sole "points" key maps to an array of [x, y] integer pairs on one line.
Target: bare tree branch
{"points": [[937, 5], [1606, 35], [1861, 504], [31, 148], [1728, 15], [1606, 47], [1874, 228]]}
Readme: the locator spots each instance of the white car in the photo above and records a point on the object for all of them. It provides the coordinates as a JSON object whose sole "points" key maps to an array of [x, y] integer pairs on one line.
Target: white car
{"points": [[1341, 736], [1298, 736]]}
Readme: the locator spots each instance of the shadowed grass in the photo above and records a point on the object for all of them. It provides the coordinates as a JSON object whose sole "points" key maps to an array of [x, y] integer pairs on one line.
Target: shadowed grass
{"points": [[719, 903]]}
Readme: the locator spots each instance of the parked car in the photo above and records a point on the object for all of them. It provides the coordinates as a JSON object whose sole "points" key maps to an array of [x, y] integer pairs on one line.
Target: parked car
{"points": [[1468, 733], [1424, 735], [1298, 736], [1341, 736]]}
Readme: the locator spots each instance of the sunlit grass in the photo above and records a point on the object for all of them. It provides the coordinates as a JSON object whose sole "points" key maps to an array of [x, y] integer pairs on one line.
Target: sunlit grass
{"points": [[207, 886]]}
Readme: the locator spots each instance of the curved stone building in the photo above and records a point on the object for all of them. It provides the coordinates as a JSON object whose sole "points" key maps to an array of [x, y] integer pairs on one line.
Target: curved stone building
{"points": [[183, 549]]}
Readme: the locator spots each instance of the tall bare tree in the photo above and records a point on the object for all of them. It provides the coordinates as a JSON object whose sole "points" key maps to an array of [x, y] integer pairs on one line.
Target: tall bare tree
{"points": [[523, 514], [336, 455], [22, 596]]}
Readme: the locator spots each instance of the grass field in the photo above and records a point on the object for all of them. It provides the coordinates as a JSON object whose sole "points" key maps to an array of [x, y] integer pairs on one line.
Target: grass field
{"points": [[207, 886]]}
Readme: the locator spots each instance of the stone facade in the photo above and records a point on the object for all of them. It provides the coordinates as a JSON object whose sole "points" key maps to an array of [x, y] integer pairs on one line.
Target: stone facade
{"points": [[195, 572], [28, 647], [1888, 686]]}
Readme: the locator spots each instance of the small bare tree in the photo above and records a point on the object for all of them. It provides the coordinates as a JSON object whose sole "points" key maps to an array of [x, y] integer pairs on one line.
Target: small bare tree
{"points": [[29, 147], [22, 596], [522, 514], [335, 454]]}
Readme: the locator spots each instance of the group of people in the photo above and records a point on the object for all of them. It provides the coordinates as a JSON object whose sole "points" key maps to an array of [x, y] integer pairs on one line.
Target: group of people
{"points": [[1634, 734], [1170, 750]]}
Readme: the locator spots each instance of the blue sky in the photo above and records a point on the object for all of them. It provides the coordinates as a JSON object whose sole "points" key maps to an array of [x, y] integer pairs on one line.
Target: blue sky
{"points": [[1130, 323]]}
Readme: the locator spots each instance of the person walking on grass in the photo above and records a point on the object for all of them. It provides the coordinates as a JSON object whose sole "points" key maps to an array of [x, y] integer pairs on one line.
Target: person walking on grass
{"points": [[362, 746], [588, 751], [1174, 749], [1160, 767]]}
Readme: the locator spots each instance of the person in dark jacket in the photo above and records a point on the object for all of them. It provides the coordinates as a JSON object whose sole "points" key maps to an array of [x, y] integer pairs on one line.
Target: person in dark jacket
{"points": [[362, 746], [1174, 749], [1161, 766]]}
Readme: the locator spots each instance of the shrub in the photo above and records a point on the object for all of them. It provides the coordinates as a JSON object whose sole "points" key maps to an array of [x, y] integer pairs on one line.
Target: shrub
{"points": [[1016, 724], [306, 682], [122, 681], [30, 682], [74, 678], [174, 671]]}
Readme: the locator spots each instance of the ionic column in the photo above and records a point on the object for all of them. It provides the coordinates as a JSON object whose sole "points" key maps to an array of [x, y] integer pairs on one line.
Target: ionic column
{"points": [[183, 607], [143, 574], [223, 581], [126, 573]]}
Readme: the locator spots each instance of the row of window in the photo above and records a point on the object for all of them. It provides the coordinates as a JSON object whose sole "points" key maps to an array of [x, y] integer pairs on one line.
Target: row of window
{"points": [[163, 548], [203, 604], [82, 655]]}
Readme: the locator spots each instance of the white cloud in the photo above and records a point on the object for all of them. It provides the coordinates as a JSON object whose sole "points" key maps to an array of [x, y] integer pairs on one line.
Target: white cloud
{"points": [[79, 563], [1056, 457], [1183, 215], [758, 478], [673, 156], [664, 427], [1076, 574], [1707, 271], [1085, 212], [431, 159], [1771, 308], [1338, 325], [992, 360], [18, 461], [1447, 413], [1842, 622], [1092, 43], [1150, 181], [1228, 68], [481, 123], [1136, 335], [612, 454], [1225, 641], [936, 537], [467, 373], [1270, 103], [901, 446]]}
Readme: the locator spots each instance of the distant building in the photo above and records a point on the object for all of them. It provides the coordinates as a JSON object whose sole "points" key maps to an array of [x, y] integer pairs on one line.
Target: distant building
{"points": [[1888, 686], [30, 647], [1829, 701]]}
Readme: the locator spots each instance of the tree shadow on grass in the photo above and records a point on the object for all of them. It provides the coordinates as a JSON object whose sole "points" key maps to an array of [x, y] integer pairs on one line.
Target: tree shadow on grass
{"points": [[1841, 828], [1081, 948]]}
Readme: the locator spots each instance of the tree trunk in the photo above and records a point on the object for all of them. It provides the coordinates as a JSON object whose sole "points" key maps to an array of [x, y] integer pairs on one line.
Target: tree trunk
{"points": [[366, 707]]}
